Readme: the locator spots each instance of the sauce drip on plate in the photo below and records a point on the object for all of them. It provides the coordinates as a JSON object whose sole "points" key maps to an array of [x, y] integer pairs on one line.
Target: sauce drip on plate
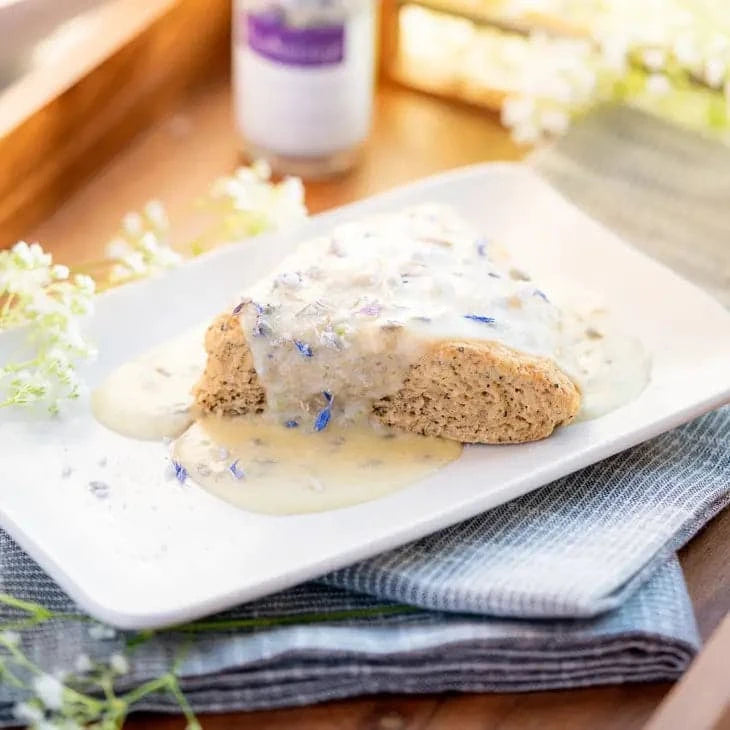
{"points": [[265, 467], [150, 397]]}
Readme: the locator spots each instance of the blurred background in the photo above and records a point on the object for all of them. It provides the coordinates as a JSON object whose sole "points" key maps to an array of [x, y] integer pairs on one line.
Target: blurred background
{"points": [[387, 90], [668, 56]]}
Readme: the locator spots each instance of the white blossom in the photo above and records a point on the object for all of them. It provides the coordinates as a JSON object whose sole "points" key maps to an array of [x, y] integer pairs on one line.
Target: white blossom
{"points": [[655, 59], [83, 663], [155, 213], [28, 712], [119, 663], [658, 84], [101, 631], [667, 40], [42, 297], [10, 638], [133, 225], [715, 72], [250, 203], [261, 169], [49, 690]]}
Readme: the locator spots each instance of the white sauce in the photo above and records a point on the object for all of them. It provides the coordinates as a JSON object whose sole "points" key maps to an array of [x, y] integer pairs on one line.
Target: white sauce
{"points": [[150, 397], [346, 315], [610, 368], [287, 470], [349, 313]]}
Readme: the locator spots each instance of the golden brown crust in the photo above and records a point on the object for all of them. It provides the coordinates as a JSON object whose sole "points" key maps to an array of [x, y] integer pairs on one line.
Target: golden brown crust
{"points": [[474, 392], [481, 392], [229, 385]]}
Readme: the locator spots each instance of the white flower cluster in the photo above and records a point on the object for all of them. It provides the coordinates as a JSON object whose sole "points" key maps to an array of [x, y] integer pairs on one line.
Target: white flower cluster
{"points": [[249, 203], [142, 248], [558, 79], [54, 704], [670, 42], [51, 304]]}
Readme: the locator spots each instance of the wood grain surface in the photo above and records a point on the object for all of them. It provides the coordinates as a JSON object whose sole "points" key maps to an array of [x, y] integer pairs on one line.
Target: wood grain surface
{"points": [[57, 128], [413, 135]]}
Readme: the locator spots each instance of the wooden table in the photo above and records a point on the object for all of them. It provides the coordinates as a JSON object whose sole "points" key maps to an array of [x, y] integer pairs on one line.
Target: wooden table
{"points": [[414, 135]]}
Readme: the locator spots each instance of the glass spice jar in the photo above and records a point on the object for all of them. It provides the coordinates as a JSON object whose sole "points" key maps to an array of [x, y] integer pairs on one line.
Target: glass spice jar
{"points": [[303, 74]]}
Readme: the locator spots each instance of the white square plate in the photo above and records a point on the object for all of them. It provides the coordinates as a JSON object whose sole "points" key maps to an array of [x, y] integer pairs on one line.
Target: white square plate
{"points": [[155, 553]]}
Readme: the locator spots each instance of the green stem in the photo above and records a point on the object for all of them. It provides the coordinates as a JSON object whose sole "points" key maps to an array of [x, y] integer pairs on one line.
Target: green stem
{"points": [[33, 608], [154, 685], [15, 366], [21, 660], [182, 701], [10, 677], [302, 618]]}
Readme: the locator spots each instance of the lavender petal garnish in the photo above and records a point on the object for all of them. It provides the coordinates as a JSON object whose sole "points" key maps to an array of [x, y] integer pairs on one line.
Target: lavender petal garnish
{"points": [[99, 489], [480, 318], [481, 246], [323, 418], [541, 294], [236, 470], [261, 328], [181, 473], [303, 347], [239, 307], [291, 423], [371, 310]]}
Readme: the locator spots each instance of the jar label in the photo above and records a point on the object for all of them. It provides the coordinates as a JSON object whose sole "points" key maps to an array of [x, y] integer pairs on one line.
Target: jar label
{"points": [[270, 36]]}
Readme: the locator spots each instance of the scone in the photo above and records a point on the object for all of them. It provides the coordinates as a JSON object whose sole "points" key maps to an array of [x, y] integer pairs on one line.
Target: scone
{"points": [[402, 319]]}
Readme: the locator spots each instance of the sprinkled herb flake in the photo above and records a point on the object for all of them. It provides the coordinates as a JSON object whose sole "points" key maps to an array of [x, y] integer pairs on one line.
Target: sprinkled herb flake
{"points": [[331, 339], [181, 473], [239, 307], [494, 275], [324, 416], [481, 246], [541, 294], [291, 279], [370, 310], [303, 347], [480, 318], [236, 470], [261, 328], [99, 489], [315, 485], [518, 275]]}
